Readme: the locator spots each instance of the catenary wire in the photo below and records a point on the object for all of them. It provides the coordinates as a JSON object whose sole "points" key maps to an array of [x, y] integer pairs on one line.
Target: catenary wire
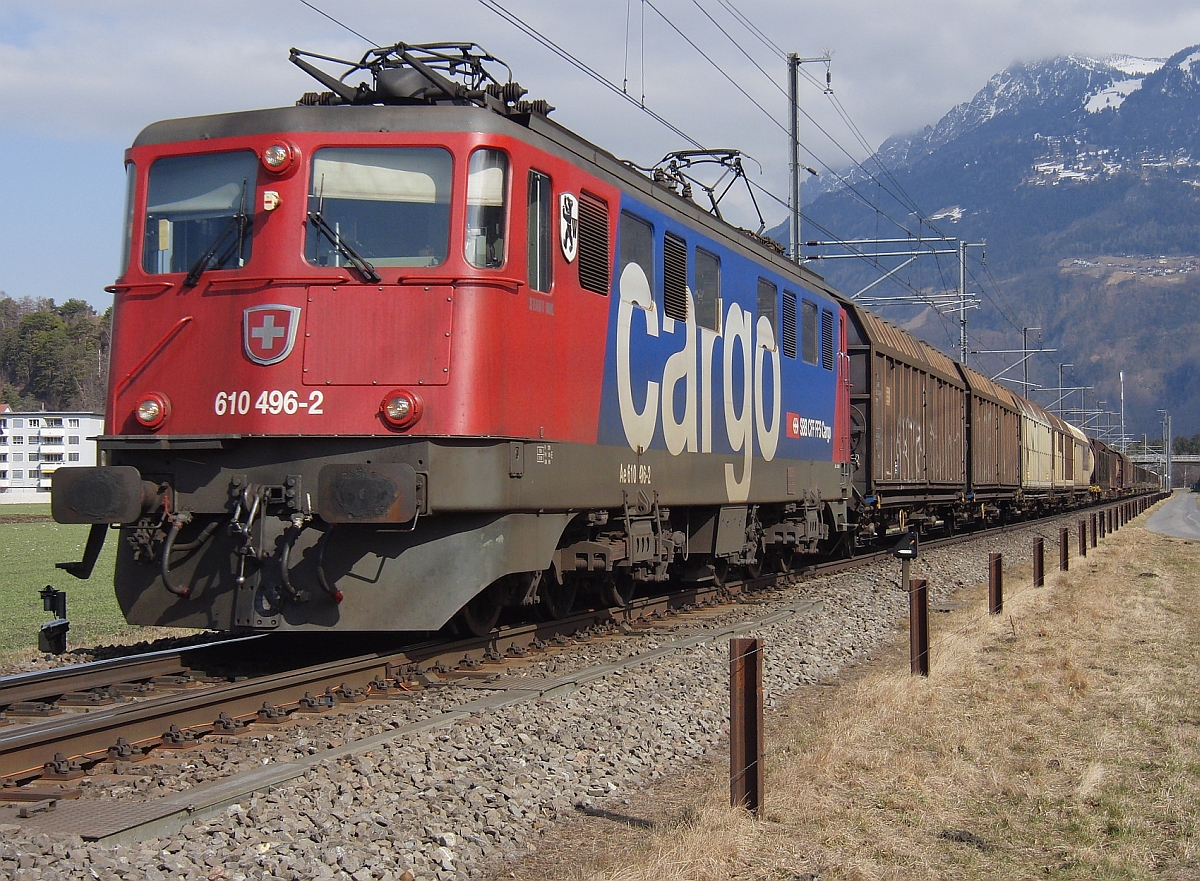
{"points": [[531, 32], [566, 56], [338, 23], [496, 7]]}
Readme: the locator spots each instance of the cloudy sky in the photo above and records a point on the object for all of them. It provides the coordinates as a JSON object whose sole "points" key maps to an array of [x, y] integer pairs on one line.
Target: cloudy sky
{"points": [[79, 79]]}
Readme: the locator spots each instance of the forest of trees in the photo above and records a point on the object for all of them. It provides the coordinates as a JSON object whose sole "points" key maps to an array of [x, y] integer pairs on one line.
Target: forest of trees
{"points": [[1186, 446], [53, 357]]}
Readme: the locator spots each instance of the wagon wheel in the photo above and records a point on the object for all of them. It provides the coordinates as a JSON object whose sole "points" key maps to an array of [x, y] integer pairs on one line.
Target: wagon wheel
{"points": [[858, 429], [556, 600], [784, 559], [619, 591], [720, 567], [479, 616], [754, 569]]}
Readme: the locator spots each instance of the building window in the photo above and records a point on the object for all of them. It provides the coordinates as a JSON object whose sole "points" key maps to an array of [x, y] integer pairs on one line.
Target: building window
{"points": [[3, 475], [18, 457], [18, 475], [35, 438], [3, 440], [35, 423], [72, 423], [18, 438], [53, 423], [540, 232], [3, 457], [72, 457], [52, 439], [34, 456], [52, 457], [73, 439], [3, 423], [18, 423], [34, 474]]}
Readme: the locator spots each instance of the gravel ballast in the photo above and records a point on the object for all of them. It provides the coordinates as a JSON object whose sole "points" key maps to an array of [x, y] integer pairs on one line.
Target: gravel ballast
{"points": [[459, 800]]}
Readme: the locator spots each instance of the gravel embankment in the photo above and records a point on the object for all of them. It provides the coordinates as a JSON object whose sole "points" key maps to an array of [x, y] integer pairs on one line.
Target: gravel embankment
{"points": [[459, 800]]}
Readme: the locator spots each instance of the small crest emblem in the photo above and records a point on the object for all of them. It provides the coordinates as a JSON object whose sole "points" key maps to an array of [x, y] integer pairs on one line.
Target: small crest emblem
{"points": [[269, 332], [568, 228]]}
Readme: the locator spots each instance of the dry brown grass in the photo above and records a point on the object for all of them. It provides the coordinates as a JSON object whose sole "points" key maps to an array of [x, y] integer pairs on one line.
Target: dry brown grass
{"points": [[1060, 739]]}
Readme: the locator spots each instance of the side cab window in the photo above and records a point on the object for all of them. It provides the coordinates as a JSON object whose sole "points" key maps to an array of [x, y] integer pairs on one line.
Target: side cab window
{"points": [[540, 232], [637, 248], [487, 208]]}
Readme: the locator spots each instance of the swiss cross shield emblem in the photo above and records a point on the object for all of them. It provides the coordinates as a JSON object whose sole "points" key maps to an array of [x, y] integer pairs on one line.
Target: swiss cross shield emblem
{"points": [[269, 332]]}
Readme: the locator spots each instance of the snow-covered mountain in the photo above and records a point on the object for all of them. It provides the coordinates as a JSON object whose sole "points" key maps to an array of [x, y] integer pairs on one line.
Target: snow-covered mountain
{"points": [[1082, 175], [1086, 116]]}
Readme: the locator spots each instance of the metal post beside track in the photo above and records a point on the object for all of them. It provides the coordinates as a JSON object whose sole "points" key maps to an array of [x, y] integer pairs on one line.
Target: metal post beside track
{"points": [[995, 583], [1093, 530], [1064, 550], [746, 724], [918, 627], [1083, 538], [1039, 562]]}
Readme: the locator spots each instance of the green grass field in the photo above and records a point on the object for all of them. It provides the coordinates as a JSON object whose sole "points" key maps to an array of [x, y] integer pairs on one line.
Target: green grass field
{"points": [[28, 552]]}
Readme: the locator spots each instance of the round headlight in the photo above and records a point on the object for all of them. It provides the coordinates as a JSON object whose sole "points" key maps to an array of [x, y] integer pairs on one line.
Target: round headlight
{"points": [[277, 157], [401, 408], [398, 409], [152, 410]]}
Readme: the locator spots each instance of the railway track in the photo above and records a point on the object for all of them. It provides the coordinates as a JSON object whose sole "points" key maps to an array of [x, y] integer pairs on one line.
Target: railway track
{"points": [[155, 705]]}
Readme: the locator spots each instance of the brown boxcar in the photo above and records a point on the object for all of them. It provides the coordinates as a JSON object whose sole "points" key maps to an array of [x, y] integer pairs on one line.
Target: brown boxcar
{"points": [[993, 437], [914, 401]]}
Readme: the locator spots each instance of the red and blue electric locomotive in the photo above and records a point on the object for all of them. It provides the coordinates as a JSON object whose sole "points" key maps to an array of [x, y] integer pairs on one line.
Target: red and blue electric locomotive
{"points": [[410, 352]]}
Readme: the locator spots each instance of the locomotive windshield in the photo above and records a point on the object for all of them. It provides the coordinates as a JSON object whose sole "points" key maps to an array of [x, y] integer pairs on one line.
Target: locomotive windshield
{"points": [[386, 205], [199, 212]]}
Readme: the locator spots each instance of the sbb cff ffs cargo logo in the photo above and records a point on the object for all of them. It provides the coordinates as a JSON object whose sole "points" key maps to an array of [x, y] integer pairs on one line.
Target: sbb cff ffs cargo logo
{"points": [[269, 332]]}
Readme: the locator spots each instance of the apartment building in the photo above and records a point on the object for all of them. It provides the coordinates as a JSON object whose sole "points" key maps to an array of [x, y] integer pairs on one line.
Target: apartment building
{"points": [[34, 444]]}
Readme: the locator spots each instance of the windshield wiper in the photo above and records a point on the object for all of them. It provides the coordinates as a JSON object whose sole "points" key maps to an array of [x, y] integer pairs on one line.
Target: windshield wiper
{"points": [[238, 222], [355, 259]]}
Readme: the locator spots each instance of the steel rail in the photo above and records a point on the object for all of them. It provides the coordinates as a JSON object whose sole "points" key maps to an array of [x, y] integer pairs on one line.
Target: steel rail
{"points": [[42, 685], [86, 737]]}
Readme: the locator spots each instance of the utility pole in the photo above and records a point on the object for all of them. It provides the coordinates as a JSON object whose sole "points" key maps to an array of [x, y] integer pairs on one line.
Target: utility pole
{"points": [[1170, 477], [1060, 387], [1124, 443], [962, 298], [1025, 358], [1166, 426], [794, 61]]}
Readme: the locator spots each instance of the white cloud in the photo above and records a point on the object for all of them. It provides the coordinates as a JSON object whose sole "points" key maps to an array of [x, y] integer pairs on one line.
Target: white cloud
{"points": [[96, 73]]}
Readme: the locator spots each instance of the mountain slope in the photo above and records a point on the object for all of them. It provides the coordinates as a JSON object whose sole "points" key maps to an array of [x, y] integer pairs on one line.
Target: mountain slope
{"points": [[1080, 174]]}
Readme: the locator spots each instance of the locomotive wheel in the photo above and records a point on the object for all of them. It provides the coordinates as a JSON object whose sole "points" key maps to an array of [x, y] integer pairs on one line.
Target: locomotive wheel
{"points": [[619, 592], [479, 616], [556, 600], [783, 560]]}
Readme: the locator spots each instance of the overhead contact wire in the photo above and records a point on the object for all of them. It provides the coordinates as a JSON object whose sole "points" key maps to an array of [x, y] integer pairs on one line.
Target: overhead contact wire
{"points": [[546, 42]]}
